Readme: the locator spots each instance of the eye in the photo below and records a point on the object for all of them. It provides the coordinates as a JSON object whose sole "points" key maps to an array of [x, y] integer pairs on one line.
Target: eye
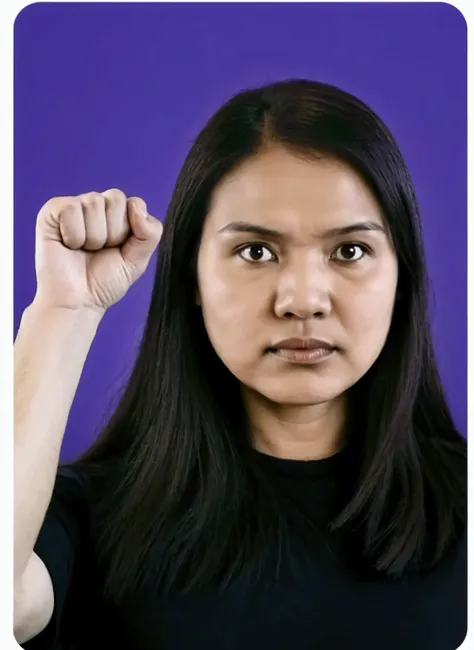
{"points": [[255, 253], [349, 253]]}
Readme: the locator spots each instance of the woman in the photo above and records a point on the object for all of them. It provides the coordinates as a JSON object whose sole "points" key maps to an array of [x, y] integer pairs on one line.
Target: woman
{"points": [[282, 470]]}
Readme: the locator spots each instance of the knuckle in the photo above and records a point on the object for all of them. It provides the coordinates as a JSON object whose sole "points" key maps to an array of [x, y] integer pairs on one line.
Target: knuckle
{"points": [[69, 207], [93, 199], [137, 204], [56, 204], [115, 195]]}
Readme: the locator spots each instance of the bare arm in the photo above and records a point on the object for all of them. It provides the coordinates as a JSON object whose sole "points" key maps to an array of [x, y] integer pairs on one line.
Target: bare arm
{"points": [[89, 250], [49, 355]]}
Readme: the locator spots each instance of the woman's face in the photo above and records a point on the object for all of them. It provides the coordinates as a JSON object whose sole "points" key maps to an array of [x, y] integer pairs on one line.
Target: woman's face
{"points": [[295, 248]]}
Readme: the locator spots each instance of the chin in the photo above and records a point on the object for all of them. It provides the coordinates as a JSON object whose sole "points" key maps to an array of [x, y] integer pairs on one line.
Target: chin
{"points": [[299, 396]]}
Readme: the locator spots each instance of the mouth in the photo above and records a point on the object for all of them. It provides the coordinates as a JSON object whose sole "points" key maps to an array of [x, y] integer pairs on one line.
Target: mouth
{"points": [[303, 355]]}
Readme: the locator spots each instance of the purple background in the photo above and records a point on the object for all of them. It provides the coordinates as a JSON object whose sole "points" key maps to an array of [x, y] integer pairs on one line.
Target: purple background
{"points": [[111, 95]]}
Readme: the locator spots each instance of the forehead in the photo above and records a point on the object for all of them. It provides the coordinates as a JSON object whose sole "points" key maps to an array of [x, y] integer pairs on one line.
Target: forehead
{"points": [[278, 186]]}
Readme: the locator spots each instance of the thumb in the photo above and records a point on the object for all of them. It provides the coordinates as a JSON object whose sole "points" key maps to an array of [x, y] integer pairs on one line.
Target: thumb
{"points": [[145, 236]]}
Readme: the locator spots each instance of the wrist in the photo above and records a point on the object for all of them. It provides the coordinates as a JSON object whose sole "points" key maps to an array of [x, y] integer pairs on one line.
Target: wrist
{"points": [[39, 310]]}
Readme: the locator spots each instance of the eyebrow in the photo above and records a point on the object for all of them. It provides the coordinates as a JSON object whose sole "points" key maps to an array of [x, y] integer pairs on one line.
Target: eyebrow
{"points": [[246, 227]]}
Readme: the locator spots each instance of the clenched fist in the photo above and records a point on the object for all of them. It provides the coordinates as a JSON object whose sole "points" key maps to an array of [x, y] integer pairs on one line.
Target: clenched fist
{"points": [[91, 248]]}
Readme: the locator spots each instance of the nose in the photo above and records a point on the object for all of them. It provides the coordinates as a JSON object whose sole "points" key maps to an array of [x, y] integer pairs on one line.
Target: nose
{"points": [[303, 290]]}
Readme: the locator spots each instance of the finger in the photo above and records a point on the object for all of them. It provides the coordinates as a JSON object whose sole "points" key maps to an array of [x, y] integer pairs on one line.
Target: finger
{"points": [[137, 207], [118, 228], [47, 222], [71, 225], [146, 233], [93, 207]]}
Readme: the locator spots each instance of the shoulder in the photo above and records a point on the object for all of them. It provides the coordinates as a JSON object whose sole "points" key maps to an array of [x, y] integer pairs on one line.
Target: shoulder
{"points": [[83, 489], [72, 495], [71, 481]]}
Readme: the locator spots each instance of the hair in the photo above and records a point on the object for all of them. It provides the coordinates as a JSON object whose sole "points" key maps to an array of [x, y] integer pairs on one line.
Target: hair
{"points": [[174, 459]]}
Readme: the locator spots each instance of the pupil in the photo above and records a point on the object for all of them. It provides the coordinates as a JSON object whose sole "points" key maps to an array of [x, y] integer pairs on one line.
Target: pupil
{"points": [[256, 252], [350, 250]]}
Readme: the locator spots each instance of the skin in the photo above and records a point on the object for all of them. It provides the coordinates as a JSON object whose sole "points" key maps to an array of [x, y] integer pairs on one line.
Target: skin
{"points": [[309, 281]]}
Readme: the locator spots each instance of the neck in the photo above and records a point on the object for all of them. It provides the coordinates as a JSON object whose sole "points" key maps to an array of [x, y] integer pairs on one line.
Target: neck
{"points": [[300, 432]]}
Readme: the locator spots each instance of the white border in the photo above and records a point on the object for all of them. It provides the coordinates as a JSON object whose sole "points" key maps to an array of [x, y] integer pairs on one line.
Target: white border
{"points": [[9, 9]]}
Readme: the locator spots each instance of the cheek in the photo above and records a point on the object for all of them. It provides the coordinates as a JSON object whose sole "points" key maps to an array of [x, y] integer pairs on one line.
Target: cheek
{"points": [[366, 312], [231, 310]]}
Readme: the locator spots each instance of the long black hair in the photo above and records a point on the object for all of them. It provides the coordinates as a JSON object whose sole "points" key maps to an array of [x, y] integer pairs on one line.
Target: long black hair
{"points": [[175, 460]]}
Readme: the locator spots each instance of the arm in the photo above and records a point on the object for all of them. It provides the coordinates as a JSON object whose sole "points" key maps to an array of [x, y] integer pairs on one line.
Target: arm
{"points": [[90, 249], [49, 355]]}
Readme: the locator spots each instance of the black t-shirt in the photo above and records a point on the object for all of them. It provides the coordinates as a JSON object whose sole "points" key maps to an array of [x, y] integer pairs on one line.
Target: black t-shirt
{"points": [[315, 605]]}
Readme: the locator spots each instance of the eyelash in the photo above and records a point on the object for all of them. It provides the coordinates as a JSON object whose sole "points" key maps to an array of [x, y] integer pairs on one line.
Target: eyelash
{"points": [[364, 248]]}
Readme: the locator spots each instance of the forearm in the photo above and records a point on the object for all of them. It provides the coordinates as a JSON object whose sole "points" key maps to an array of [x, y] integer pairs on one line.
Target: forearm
{"points": [[49, 355]]}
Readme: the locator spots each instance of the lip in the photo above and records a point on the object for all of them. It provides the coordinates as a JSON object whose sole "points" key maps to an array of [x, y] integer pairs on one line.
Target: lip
{"points": [[303, 356], [303, 351], [303, 344]]}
